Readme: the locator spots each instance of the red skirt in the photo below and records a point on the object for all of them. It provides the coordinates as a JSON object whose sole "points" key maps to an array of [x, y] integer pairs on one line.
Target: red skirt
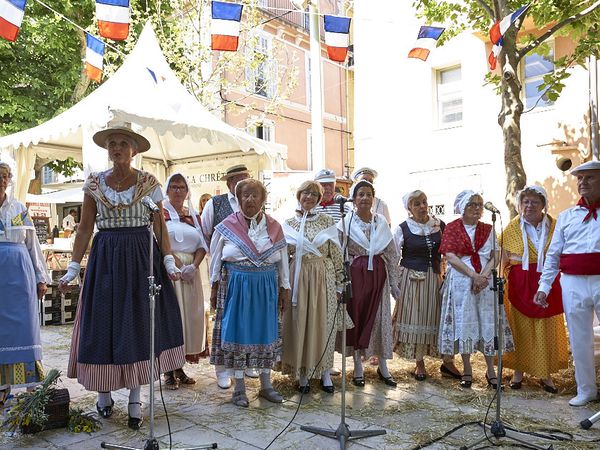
{"points": [[367, 288], [522, 286]]}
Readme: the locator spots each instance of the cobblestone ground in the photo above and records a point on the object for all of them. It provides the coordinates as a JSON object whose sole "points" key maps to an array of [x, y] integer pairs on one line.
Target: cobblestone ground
{"points": [[411, 414]]}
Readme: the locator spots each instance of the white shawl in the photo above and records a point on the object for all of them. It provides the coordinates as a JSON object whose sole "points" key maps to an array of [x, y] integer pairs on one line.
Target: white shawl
{"points": [[304, 246], [381, 235]]}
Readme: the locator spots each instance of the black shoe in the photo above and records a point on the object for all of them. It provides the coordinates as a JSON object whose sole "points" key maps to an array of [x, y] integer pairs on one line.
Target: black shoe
{"points": [[515, 385], [135, 423], [328, 389], [419, 376], [304, 389], [548, 388], [466, 380], [358, 381], [105, 412], [388, 381], [493, 382], [448, 373]]}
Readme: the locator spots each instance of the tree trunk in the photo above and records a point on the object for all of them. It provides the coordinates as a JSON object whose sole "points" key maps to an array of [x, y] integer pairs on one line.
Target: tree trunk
{"points": [[510, 121], [83, 82]]}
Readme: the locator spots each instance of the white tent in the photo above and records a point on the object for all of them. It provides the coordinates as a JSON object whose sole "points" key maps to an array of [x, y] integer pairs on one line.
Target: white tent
{"points": [[145, 92], [71, 195]]}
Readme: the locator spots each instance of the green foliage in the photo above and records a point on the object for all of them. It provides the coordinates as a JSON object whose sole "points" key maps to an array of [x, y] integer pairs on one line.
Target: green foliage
{"points": [[29, 407], [67, 167], [82, 422]]}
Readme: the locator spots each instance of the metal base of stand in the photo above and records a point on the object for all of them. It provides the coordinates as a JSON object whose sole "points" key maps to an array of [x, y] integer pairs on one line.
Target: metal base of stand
{"points": [[152, 444], [498, 434], [343, 434], [587, 423]]}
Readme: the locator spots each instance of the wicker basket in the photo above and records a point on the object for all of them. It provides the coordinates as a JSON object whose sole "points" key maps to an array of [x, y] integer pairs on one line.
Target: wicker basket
{"points": [[57, 410]]}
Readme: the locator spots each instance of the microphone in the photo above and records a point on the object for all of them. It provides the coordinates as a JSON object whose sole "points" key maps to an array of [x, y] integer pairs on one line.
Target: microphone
{"points": [[337, 198], [490, 207], [149, 203]]}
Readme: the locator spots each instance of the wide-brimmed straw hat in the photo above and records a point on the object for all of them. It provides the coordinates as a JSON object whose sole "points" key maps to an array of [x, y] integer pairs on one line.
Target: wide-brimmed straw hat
{"points": [[121, 128], [233, 171]]}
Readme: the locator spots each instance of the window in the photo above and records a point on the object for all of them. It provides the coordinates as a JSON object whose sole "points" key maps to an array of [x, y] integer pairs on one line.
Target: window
{"points": [[536, 66], [449, 97], [262, 77], [264, 129]]}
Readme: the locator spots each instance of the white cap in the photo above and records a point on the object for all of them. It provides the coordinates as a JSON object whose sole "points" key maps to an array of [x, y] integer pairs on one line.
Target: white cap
{"points": [[356, 175], [325, 176], [590, 165]]}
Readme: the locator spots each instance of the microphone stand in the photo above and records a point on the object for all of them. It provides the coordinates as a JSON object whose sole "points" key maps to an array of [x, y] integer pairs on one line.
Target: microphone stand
{"points": [[497, 428], [153, 290], [343, 433]]}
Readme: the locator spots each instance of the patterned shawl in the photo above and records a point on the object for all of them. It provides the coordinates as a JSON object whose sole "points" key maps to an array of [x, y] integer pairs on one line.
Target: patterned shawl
{"points": [[456, 240]]}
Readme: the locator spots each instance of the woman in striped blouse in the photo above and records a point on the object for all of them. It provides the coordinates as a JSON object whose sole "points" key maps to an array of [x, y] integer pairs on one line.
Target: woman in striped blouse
{"points": [[110, 344]]}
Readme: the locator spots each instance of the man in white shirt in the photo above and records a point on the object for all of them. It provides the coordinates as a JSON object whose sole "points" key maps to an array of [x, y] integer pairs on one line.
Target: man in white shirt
{"points": [[379, 206], [326, 178], [69, 223], [575, 252], [214, 212]]}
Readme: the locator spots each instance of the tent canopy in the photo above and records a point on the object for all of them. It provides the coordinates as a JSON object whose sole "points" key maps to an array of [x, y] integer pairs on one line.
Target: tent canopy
{"points": [[71, 195], [146, 92]]}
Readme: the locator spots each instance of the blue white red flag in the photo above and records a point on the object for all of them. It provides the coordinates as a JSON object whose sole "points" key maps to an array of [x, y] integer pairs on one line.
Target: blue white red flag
{"points": [[500, 27], [497, 33], [11, 17], [225, 26], [113, 19], [337, 37], [94, 57], [426, 40]]}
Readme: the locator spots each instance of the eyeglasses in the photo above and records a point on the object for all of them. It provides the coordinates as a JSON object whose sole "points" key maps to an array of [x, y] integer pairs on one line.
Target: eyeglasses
{"points": [[310, 194], [178, 188], [475, 205]]}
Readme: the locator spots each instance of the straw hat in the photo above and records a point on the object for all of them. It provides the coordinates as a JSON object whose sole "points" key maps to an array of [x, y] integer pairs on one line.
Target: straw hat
{"points": [[233, 171], [122, 128]]}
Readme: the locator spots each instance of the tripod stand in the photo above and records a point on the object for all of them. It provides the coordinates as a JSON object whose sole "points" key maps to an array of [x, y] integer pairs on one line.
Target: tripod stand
{"points": [[497, 429], [343, 433], [153, 290]]}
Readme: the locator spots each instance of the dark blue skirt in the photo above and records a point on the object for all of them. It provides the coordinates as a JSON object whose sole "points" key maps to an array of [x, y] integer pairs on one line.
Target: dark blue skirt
{"points": [[114, 320]]}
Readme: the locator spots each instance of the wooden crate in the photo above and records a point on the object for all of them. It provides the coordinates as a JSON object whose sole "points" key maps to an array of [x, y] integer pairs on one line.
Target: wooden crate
{"points": [[57, 410]]}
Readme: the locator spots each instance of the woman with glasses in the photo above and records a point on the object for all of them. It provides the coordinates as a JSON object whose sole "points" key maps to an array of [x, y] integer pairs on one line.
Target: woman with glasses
{"points": [[540, 337], [189, 249], [316, 268], [467, 321]]}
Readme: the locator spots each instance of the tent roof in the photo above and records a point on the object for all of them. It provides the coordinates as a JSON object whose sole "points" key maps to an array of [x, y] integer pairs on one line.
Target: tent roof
{"points": [[176, 124], [71, 195]]}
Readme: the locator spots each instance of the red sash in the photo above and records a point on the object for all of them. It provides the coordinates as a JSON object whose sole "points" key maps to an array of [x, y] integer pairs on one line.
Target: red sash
{"points": [[522, 286], [580, 263]]}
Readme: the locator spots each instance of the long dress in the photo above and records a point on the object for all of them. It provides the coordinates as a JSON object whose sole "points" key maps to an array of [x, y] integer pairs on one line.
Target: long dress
{"points": [[467, 319], [308, 324], [250, 264], [374, 269], [110, 347], [23, 267], [416, 316], [541, 346], [185, 240]]}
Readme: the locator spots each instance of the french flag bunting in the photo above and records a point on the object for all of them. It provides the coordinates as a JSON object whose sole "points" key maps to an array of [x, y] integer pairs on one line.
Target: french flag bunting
{"points": [[94, 57], [337, 37], [11, 17], [113, 19], [426, 40], [493, 58], [225, 26], [500, 27]]}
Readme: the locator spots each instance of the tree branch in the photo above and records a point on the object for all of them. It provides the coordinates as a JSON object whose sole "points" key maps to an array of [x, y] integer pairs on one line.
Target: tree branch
{"points": [[487, 9], [557, 27]]}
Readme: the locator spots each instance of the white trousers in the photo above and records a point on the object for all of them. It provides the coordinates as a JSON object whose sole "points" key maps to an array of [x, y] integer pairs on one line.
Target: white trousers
{"points": [[581, 298]]}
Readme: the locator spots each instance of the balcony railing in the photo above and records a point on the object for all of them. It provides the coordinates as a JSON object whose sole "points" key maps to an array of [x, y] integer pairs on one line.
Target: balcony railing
{"points": [[275, 8]]}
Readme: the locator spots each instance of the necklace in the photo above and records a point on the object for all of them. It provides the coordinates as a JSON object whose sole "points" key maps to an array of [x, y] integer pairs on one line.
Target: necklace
{"points": [[118, 183]]}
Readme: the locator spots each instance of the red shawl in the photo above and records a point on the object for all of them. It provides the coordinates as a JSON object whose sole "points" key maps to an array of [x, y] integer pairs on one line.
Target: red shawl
{"points": [[456, 240], [591, 209]]}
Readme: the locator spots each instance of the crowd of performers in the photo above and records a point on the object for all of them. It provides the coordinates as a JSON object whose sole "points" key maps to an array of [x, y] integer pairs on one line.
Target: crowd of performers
{"points": [[276, 287]]}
